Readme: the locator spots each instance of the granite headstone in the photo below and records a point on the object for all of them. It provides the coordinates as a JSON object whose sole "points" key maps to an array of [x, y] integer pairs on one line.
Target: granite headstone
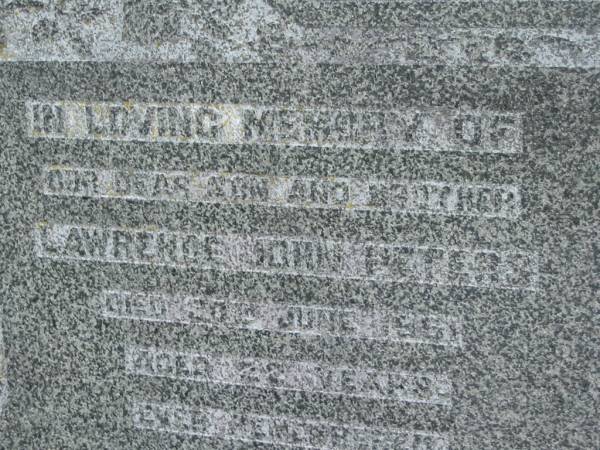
{"points": [[277, 224]]}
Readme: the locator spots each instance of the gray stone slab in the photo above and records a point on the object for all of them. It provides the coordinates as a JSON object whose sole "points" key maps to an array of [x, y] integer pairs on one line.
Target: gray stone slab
{"points": [[332, 225]]}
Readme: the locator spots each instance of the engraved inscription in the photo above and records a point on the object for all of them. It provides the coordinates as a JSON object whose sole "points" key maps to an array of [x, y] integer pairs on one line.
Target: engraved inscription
{"points": [[287, 375], [290, 255], [301, 320], [281, 431], [426, 130], [485, 200]]}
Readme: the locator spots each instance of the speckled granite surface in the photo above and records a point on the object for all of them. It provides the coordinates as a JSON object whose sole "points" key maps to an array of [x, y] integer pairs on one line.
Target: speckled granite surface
{"points": [[245, 229]]}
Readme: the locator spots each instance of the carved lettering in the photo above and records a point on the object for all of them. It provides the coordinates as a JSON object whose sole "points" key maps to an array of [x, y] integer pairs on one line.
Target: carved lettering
{"points": [[301, 320], [290, 376], [435, 130], [290, 256], [347, 194], [277, 431]]}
